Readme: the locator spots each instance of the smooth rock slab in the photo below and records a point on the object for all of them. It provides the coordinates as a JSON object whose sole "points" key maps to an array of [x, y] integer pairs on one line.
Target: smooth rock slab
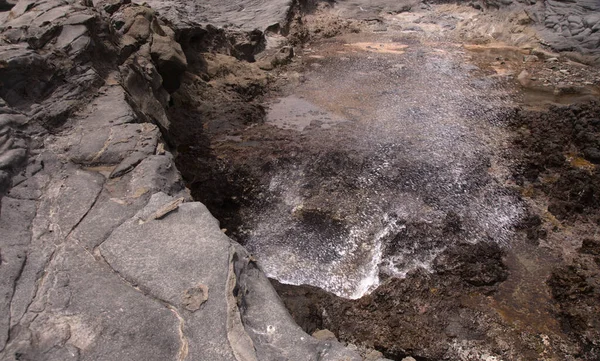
{"points": [[228, 306], [170, 256], [91, 314], [15, 222]]}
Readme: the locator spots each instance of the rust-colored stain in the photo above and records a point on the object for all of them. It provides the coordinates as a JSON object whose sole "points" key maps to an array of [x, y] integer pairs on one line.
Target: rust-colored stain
{"points": [[387, 48], [580, 163]]}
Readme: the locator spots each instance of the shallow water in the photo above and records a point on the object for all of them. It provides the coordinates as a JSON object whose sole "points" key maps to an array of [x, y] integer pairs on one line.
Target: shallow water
{"points": [[297, 114], [398, 143]]}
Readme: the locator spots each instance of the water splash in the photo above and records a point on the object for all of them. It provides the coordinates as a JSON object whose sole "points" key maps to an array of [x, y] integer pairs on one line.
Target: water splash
{"points": [[375, 190]]}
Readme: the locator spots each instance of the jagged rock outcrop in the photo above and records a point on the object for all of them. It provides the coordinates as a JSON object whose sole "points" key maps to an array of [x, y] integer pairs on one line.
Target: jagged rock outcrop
{"points": [[563, 25], [103, 254], [245, 15]]}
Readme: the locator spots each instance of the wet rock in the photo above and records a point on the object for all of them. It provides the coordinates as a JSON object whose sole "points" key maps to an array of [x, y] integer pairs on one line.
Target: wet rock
{"points": [[5, 181], [590, 246], [575, 292], [593, 154], [266, 319], [574, 190], [399, 317], [479, 265]]}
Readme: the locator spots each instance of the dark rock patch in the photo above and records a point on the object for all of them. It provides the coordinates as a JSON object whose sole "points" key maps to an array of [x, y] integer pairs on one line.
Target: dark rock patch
{"points": [[417, 316]]}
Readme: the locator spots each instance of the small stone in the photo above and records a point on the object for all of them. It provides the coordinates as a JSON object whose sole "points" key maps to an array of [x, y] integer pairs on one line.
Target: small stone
{"points": [[160, 149], [551, 60], [140, 29], [523, 19], [167, 208], [324, 335], [530, 58], [352, 347], [524, 78], [373, 355], [408, 359], [195, 297], [265, 65]]}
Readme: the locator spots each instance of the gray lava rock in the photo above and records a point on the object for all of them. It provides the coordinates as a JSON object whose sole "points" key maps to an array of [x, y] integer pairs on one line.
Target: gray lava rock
{"points": [[245, 15]]}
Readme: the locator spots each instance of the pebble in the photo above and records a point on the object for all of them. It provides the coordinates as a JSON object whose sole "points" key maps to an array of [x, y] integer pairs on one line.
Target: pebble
{"points": [[530, 58], [324, 335]]}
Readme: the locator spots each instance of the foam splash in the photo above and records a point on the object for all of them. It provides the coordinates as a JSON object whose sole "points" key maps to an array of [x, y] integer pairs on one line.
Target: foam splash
{"points": [[423, 146]]}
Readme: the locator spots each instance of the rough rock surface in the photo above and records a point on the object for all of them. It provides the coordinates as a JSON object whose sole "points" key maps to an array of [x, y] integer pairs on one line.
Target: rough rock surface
{"points": [[245, 15], [571, 25], [103, 256], [563, 25]]}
